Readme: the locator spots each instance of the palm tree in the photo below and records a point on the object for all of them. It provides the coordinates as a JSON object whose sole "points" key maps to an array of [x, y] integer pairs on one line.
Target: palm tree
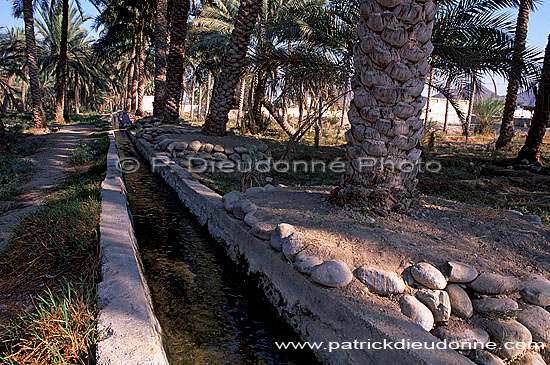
{"points": [[385, 113], [487, 111], [12, 67], [541, 117], [125, 39], [86, 72], [141, 77], [232, 68], [39, 117], [61, 69], [161, 50], [174, 74], [514, 78]]}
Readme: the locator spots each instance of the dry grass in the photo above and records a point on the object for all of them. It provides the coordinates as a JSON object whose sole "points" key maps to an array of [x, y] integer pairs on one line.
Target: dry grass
{"points": [[62, 329]]}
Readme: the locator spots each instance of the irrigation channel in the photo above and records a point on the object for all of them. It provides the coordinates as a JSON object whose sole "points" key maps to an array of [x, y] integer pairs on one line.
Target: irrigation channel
{"points": [[210, 310]]}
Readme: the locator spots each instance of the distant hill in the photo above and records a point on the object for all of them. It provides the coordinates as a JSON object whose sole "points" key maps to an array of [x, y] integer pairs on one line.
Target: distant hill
{"points": [[526, 98]]}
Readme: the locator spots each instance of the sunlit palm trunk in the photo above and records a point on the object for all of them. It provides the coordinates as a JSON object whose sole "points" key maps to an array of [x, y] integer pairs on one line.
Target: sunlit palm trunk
{"points": [[23, 94], [174, 74], [430, 81], [241, 101], [447, 104], [208, 93], [39, 116], [141, 77], [507, 126], [232, 68], [161, 51], [391, 62], [198, 116], [192, 97], [541, 115], [130, 82], [468, 123], [135, 81], [61, 68]]}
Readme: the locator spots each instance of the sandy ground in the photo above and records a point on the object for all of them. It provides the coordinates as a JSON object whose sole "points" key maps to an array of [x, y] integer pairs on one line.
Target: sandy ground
{"points": [[51, 166], [437, 231]]}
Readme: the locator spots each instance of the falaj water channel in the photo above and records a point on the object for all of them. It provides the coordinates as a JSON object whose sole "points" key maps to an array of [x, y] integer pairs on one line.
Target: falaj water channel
{"points": [[210, 311]]}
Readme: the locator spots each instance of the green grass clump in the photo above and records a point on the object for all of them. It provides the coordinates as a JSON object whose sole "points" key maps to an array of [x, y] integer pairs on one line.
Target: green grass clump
{"points": [[89, 150], [62, 329]]}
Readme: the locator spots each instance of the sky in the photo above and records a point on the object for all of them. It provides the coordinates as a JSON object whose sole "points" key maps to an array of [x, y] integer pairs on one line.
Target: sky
{"points": [[539, 29]]}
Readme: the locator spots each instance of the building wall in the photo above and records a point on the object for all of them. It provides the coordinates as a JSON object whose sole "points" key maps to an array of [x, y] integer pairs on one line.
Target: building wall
{"points": [[436, 114]]}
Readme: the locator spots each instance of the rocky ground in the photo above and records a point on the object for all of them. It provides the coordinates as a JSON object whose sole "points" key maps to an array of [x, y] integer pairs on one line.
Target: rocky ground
{"points": [[466, 274]]}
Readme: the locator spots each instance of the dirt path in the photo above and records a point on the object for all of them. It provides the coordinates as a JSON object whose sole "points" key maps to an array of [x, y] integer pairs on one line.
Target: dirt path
{"points": [[51, 166]]}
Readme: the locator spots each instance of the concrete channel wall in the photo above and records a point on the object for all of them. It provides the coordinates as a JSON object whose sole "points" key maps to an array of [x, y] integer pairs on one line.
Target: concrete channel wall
{"points": [[131, 332], [317, 314]]}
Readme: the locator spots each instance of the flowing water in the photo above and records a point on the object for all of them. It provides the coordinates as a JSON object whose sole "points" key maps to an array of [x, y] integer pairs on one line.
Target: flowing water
{"points": [[211, 312]]}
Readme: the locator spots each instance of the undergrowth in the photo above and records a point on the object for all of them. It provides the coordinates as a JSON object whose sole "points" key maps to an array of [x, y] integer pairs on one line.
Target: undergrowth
{"points": [[13, 170]]}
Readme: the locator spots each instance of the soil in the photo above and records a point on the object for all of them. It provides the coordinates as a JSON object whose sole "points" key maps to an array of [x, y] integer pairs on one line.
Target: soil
{"points": [[438, 231], [51, 166]]}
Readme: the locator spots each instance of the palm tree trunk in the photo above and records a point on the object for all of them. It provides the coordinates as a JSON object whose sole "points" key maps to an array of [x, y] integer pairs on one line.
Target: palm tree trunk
{"points": [[200, 102], [541, 115], [466, 128], [39, 117], [161, 51], [208, 93], [126, 91], [289, 130], [319, 120], [343, 115], [77, 95], [300, 106], [192, 97], [23, 94], [130, 76], [385, 114], [61, 69], [447, 104], [430, 81], [516, 69], [232, 67], [141, 77], [259, 97], [241, 102], [174, 73], [285, 106], [183, 101], [135, 79]]}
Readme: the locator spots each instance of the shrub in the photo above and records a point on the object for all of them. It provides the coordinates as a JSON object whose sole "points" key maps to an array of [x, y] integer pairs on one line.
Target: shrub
{"points": [[488, 111]]}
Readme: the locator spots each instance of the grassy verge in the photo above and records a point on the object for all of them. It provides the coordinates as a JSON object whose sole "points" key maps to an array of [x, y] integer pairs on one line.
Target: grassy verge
{"points": [[49, 272], [15, 169], [475, 173]]}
